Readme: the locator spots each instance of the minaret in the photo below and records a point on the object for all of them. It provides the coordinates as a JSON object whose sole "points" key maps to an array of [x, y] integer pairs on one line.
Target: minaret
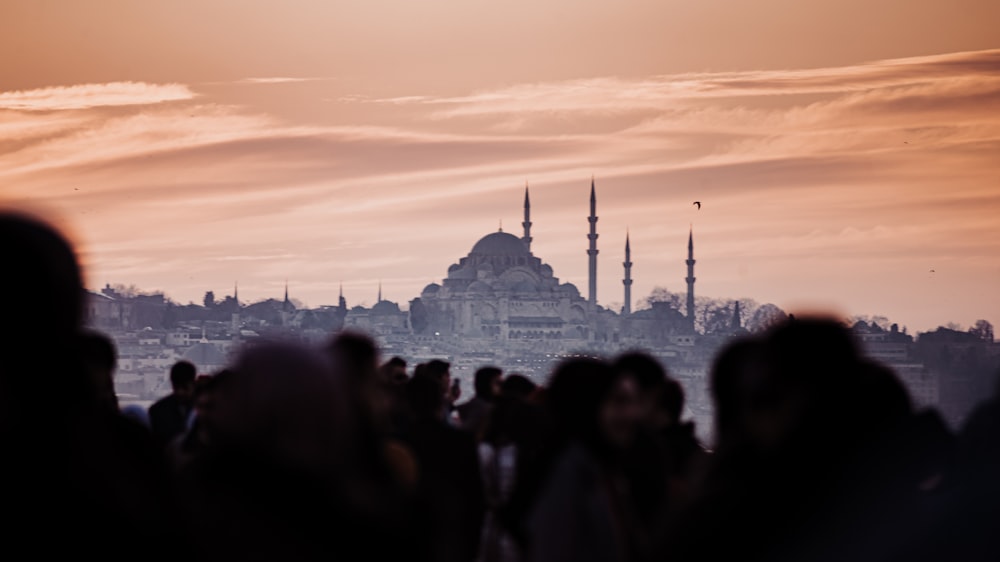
{"points": [[690, 278], [627, 309], [379, 292], [592, 252], [287, 304], [527, 219], [341, 301], [737, 322], [236, 293]]}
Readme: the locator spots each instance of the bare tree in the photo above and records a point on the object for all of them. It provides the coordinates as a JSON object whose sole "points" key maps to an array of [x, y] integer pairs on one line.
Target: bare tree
{"points": [[982, 330], [764, 317]]}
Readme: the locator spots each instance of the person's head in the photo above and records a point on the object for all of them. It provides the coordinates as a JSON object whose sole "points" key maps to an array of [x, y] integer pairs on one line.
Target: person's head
{"points": [[287, 406], [44, 288], [100, 359], [651, 378], [487, 382], [592, 402], [440, 371], [424, 397], [811, 379], [736, 371], [394, 370], [182, 376], [356, 354], [517, 386]]}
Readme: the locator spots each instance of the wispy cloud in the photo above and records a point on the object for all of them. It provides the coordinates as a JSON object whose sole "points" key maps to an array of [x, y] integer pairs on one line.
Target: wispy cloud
{"points": [[84, 96], [282, 79]]}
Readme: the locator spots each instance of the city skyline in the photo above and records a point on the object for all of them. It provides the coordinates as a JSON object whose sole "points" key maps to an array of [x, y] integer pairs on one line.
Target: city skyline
{"points": [[330, 143]]}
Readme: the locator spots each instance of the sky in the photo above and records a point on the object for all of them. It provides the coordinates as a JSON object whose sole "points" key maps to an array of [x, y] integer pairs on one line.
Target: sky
{"points": [[846, 154]]}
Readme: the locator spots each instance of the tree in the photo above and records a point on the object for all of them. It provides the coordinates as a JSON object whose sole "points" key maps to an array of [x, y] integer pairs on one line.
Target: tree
{"points": [[661, 294], [418, 316], [764, 317], [126, 291], [209, 299], [982, 330]]}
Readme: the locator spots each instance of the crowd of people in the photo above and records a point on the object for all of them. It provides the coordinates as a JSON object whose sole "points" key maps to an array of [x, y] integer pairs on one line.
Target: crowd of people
{"points": [[298, 452]]}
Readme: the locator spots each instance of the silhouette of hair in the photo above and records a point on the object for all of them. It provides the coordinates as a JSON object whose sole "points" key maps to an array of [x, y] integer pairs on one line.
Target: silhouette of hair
{"points": [[356, 354], [437, 368], [396, 361], [517, 386], [736, 368], [484, 381], [182, 374], [647, 371], [424, 396], [575, 393], [672, 400], [98, 350], [44, 292]]}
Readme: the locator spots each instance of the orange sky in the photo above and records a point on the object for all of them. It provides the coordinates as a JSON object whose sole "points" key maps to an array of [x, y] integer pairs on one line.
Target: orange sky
{"points": [[841, 151]]}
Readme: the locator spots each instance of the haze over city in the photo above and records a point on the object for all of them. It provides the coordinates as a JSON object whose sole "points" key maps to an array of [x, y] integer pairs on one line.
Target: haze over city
{"points": [[845, 156]]}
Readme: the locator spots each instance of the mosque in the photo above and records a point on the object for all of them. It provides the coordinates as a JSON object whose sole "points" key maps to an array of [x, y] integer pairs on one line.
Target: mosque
{"points": [[501, 290]]}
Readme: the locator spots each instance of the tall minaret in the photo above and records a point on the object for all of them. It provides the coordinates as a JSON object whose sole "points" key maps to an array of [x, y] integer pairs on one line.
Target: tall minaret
{"points": [[627, 309], [341, 301], [592, 252], [527, 219], [690, 278], [287, 304], [379, 291]]}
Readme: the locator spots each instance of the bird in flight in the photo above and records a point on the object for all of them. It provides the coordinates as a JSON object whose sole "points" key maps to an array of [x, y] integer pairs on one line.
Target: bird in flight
{"points": [[698, 204], [932, 271]]}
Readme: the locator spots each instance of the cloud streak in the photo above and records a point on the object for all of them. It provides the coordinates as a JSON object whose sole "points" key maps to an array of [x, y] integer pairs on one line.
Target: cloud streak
{"points": [[85, 96]]}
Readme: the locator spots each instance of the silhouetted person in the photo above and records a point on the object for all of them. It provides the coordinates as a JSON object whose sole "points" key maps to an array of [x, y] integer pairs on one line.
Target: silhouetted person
{"points": [[71, 479], [279, 475], [394, 370], [734, 373], [169, 416], [475, 412], [449, 488], [661, 463], [101, 359], [517, 386], [585, 510]]}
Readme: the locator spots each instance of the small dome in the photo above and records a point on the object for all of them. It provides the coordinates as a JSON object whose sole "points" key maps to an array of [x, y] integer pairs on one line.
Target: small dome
{"points": [[500, 244], [431, 289], [385, 308], [546, 270], [570, 289]]}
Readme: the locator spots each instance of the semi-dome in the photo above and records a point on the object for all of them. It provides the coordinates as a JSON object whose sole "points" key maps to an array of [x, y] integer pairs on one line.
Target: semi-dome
{"points": [[525, 286], [479, 287], [500, 244], [432, 288]]}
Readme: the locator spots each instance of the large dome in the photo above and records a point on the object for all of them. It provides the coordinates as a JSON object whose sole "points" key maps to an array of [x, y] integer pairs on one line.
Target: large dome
{"points": [[500, 244]]}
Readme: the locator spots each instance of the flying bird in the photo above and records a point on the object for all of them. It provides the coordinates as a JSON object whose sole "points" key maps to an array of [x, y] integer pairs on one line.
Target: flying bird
{"points": [[932, 271], [698, 203]]}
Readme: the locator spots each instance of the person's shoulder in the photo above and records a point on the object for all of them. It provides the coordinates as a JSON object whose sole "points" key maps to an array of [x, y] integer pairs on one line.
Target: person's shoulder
{"points": [[162, 403]]}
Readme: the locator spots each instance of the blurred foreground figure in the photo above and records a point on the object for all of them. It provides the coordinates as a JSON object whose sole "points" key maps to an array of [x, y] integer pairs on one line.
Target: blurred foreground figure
{"points": [[168, 416], [818, 456], [76, 474], [279, 474], [586, 510]]}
